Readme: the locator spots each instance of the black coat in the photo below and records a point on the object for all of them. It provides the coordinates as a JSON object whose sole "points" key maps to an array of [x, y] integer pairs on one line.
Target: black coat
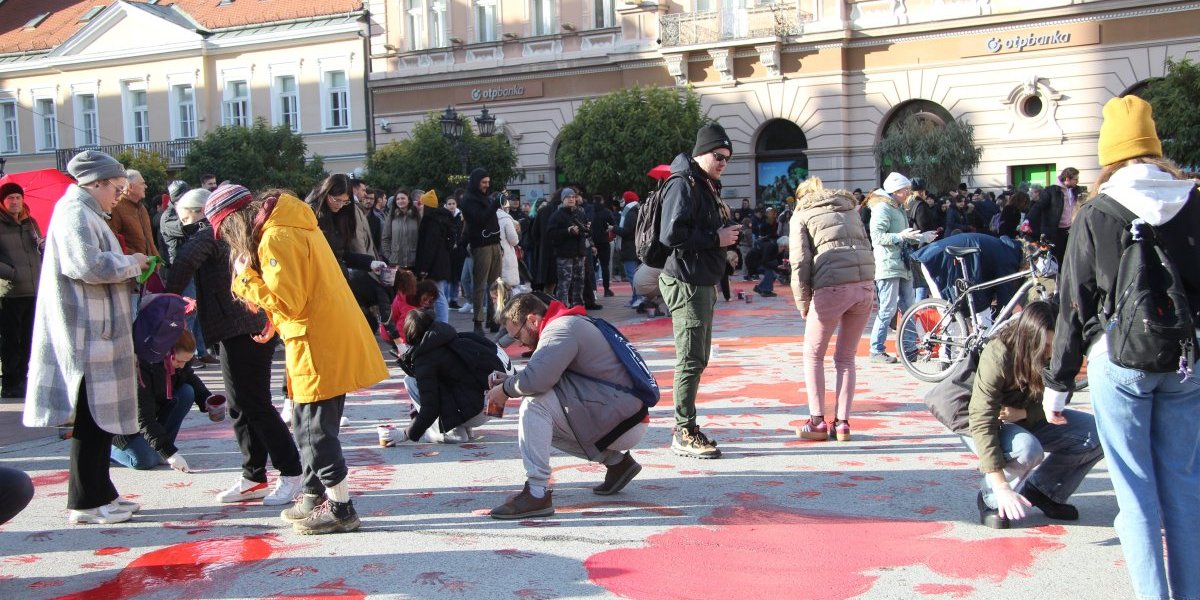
{"points": [[152, 398], [565, 243], [1048, 211], [689, 222], [451, 371], [435, 245], [483, 228], [1010, 220], [207, 259], [602, 219], [626, 228], [545, 269]]}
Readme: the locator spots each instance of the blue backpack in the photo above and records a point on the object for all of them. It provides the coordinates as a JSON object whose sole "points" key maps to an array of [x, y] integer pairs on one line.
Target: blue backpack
{"points": [[159, 323], [645, 388]]}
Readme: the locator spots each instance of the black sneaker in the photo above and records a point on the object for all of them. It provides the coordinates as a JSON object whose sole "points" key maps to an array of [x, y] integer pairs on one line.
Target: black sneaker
{"points": [[1055, 510], [303, 507], [454, 305], [608, 293], [692, 443], [329, 517]]}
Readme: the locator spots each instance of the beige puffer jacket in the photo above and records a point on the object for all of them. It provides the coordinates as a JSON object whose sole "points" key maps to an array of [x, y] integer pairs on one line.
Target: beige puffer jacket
{"points": [[828, 244]]}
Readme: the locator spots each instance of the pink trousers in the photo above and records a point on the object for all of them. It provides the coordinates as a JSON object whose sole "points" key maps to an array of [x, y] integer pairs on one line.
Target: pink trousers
{"points": [[846, 308]]}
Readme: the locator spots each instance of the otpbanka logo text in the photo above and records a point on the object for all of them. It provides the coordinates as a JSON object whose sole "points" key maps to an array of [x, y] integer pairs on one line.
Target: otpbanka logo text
{"points": [[1032, 40]]}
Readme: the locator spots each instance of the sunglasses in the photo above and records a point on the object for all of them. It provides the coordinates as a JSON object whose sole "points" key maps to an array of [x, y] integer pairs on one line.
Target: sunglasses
{"points": [[721, 157]]}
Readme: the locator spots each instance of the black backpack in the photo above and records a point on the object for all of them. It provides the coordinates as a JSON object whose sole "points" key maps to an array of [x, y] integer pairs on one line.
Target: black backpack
{"points": [[1148, 319], [646, 241]]}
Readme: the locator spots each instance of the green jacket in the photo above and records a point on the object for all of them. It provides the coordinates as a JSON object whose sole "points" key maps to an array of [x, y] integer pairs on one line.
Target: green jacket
{"points": [[887, 221], [994, 389]]}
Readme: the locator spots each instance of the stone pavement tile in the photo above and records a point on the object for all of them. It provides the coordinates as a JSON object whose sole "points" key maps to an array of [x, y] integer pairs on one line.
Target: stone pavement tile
{"points": [[889, 514]]}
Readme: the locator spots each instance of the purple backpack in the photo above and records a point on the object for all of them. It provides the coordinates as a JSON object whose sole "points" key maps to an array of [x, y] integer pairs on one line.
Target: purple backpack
{"points": [[159, 323]]}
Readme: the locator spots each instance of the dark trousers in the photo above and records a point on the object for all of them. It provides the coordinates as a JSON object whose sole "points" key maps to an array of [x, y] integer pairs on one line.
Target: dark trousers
{"points": [[1059, 239], [16, 338], [589, 278], [316, 425], [260, 432], [16, 490], [89, 485], [604, 253]]}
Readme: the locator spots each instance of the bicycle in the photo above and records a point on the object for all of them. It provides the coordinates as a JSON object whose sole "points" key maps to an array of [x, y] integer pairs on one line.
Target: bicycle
{"points": [[935, 334]]}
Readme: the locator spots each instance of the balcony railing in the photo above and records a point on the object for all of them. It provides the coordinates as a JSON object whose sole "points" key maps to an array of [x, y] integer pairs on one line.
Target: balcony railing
{"points": [[780, 20], [175, 151]]}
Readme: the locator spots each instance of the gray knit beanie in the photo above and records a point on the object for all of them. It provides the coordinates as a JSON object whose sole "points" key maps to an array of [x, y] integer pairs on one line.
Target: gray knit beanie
{"points": [[93, 165], [193, 199]]}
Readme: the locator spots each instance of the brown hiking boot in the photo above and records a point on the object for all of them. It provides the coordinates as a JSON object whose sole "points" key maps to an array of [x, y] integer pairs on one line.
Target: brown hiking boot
{"points": [[329, 517], [302, 508], [618, 476], [524, 506]]}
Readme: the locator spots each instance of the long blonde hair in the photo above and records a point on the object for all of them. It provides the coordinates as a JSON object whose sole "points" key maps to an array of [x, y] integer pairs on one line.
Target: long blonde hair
{"points": [[1166, 164]]}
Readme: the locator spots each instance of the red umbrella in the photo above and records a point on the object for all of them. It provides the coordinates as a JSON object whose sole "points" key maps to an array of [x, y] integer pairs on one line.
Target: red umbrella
{"points": [[660, 172], [42, 189]]}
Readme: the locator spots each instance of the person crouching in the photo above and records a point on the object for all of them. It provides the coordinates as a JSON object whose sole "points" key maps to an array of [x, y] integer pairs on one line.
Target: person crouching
{"points": [[571, 362]]}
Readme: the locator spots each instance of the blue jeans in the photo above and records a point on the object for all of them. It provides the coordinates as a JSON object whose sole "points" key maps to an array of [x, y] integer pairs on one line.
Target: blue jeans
{"points": [[137, 453], [768, 280], [441, 306], [1074, 449], [631, 267], [465, 280], [1150, 428], [893, 294], [193, 322]]}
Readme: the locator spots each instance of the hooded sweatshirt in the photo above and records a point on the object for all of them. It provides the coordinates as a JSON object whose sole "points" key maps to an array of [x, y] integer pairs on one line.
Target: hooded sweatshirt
{"points": [[1090, 269], [483, 228]]}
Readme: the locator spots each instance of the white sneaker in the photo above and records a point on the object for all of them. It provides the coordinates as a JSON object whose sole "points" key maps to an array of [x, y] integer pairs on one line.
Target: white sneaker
{"points": [[285, 492], [432, 437], [458, 435], [123, 505], [344, 422], [103, 515], [243, 490], [466, 308], [287, 411]]}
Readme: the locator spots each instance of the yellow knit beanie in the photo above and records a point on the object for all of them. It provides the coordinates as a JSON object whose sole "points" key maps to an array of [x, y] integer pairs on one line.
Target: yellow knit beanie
{"points": [[429, 199], [1127, 131]]}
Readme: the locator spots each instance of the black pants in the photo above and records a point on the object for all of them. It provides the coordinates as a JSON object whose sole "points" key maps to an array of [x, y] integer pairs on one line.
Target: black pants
{"points": [[1059, 239], [589, 278], [604, 253], [260, 432], [89, 485], [16, 490], [316, 425], [16, 338]]}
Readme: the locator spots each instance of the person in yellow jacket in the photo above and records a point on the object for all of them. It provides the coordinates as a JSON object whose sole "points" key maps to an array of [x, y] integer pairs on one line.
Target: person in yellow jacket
{"points": [[283, 264]]}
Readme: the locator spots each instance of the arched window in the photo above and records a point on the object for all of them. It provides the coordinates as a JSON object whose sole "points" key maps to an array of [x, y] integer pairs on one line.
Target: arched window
{"points": [[925, 111], [780, 162]]}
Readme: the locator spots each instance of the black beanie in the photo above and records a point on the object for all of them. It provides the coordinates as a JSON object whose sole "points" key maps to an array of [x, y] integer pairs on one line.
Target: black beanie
{"points": [[709, 138], [10, 188]]}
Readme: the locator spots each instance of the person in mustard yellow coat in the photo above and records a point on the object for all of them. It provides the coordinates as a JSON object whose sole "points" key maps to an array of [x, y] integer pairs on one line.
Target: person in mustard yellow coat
{"points": [[282, 264]]}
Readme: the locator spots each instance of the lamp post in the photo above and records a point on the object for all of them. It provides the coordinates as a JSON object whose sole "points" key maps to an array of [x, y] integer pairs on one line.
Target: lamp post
{"points": [[452, 130]]}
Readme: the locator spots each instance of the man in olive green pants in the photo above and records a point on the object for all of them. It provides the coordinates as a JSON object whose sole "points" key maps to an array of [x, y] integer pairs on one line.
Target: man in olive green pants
{"points": [[693, 227]]}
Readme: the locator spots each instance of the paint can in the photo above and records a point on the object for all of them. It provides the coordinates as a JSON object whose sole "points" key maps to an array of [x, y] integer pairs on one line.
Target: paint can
{"points": [[385, 435], [216, 407], [741, 295]]}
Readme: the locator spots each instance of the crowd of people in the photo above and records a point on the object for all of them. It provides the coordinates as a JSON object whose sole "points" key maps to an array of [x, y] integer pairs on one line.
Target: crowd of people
{"points": [[268, 268]]}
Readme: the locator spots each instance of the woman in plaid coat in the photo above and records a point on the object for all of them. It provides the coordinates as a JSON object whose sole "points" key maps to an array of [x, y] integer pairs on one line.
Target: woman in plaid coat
{"points": [[82, 368]]}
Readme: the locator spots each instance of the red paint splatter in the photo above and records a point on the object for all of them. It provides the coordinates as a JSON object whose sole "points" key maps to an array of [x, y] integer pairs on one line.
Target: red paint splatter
{"points": [[46, 583], [327, 590], [940, 589], [51, 478], [752, 541], [657, 509], [111, 551], [1051, 529], [926, 510], [189, 569]]}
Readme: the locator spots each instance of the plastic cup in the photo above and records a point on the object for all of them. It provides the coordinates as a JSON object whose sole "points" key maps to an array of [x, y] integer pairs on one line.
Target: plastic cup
{"points": [[385, 436], [749, 297], [216, 407]]}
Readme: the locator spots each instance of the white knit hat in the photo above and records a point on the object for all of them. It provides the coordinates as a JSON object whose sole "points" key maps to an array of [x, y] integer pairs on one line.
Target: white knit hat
{"points": [[895, 182]]}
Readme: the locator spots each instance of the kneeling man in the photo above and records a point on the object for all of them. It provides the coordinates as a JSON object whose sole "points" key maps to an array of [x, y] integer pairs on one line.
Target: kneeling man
{"points": [[579, 400]]}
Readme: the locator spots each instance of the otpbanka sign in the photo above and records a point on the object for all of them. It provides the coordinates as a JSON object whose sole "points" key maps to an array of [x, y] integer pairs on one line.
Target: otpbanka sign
{"points": [[500, 92], [1080, 34]]}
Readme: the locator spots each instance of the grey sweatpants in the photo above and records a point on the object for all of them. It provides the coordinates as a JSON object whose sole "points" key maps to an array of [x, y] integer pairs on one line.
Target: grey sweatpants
{"points": [[544, 424]]}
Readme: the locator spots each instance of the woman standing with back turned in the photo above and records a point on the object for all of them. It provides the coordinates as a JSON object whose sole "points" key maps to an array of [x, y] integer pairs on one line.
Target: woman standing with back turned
{"points": [[1149, 422]]}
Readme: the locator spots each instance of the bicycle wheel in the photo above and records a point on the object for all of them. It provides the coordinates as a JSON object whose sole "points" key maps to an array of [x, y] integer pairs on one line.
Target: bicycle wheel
{"points": [[929, 342]]}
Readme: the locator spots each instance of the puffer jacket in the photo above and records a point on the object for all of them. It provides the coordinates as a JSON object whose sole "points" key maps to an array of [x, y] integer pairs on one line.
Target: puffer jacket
{"points": [[207, 259], [446, 367], [20, 253], [887, 221], [400, 232], [330, 349], [827, 244]]}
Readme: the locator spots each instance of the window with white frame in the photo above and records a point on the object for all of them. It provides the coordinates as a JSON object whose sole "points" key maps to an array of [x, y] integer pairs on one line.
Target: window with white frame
{"points": [[45, 124], [287, 102], [235, 108], [485, 21], [541, 16], [10, 143], [704, 6], [606, 16], [438, 35], [183, 111], [416, 21], [87, 121], [337, 100], [139, 107]]}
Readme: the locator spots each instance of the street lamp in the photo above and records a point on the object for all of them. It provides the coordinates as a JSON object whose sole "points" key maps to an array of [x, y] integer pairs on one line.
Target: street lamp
{"points": [[452, 130]]}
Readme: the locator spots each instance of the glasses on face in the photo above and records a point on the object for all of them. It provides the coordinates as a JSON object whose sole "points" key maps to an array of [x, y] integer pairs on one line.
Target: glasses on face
{"points": [[721, 157], [516, 335]]}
